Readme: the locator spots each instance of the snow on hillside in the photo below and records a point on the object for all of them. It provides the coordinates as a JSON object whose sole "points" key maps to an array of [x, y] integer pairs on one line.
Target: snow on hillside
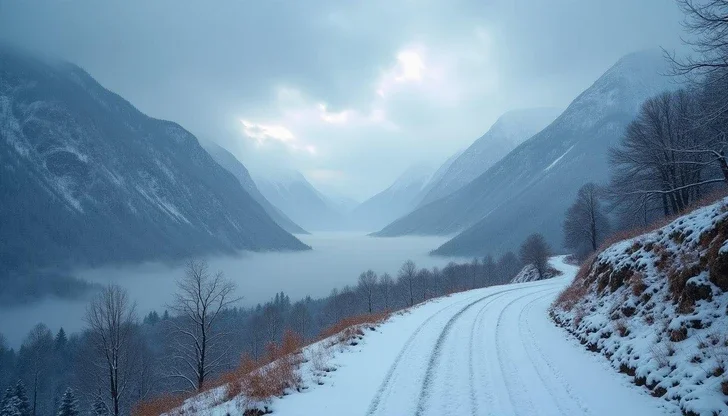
{"points": [[657, 307], [510, 130], [530, 274], [484, 351]]}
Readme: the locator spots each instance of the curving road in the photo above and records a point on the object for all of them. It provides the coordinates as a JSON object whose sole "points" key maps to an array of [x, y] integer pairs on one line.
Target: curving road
{"points": [[484, 352]]}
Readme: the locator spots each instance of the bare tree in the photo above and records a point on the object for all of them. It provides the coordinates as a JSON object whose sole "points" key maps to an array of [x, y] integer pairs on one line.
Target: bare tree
{"points": [[586, 225], [198, 343], [111, 318], [662, 159], [707, 22], [386, 284], [367, 287], [301, 320], [536, 251], [35, 361], [424, 278], [407, 275]]}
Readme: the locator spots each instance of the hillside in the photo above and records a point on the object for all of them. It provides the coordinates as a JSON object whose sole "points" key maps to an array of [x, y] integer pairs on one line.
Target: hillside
{"points": [[398, 199], [87, 179], [482, 351], [293, 194], [234, 166], [515, 197], [656, 306], [510, 130]]}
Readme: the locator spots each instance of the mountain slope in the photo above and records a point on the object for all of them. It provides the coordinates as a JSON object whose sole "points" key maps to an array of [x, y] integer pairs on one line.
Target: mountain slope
{"points": [[510, 130], [234, 166], [530, 189], [291, 192], [88, 179], [398, 199], [655, 307]]}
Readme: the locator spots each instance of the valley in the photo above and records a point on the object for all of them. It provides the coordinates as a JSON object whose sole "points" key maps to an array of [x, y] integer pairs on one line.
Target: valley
{"points": [[336, 261]]}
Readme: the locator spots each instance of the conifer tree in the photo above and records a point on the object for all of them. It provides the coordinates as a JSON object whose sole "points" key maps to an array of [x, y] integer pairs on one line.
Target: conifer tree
{"points": [[23, 402], [69, 404]]}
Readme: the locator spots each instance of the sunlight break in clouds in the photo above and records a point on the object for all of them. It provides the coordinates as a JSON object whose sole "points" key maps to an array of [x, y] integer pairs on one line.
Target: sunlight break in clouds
{"points": [[263, 133]]}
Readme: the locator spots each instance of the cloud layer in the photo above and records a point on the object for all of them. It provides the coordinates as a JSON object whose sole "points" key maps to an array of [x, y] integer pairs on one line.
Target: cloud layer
{"points": [[350, 93]]}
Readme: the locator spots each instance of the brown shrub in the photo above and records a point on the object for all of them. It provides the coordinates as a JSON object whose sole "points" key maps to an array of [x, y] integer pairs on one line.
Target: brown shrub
{"points": [[350, 327], [621, 328], [724, 387], [578, 288], [677, 335], [637, 282], [158, 405]]}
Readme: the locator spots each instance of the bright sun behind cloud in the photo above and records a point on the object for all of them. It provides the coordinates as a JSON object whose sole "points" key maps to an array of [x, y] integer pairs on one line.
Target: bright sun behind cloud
{"points": [[411, 66]]}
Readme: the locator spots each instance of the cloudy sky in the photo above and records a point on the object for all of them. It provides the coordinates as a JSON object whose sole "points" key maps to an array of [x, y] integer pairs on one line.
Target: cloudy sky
{"points": [[349, 92]]}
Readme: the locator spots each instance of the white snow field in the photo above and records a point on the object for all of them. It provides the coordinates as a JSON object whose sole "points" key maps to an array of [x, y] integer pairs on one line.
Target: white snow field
{"points": [[490, 351]]}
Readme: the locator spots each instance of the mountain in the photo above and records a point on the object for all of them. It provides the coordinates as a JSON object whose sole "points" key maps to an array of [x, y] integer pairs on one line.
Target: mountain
{"points": [[530, 189], [234, 166], [88, 179], [510, 130], [398, 199], [290, 191]]}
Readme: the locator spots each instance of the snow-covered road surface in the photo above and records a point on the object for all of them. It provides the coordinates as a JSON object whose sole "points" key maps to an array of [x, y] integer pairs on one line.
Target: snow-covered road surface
{"points": [[491, 351]]}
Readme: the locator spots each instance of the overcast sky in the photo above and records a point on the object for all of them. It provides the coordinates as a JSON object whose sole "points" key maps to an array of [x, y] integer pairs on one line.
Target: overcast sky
{"points": [[350, 93]]}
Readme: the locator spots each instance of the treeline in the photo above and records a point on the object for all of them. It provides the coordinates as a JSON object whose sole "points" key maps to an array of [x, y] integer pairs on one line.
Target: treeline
{"points": [[121, 358], [672, 154]]}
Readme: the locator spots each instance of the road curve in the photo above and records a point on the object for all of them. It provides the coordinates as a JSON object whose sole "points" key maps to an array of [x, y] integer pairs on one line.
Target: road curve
{"points": [[484, 352]]}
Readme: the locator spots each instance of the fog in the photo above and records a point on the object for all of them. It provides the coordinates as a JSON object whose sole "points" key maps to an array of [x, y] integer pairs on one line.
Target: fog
{"points": [[336, 260]]}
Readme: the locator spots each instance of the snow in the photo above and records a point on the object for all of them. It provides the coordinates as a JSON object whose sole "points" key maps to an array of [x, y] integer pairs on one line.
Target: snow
{"points": [[488, 351], [672, 340], [558, 159]]}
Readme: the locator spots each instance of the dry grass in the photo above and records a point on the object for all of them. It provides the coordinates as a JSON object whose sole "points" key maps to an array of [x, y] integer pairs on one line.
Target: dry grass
{"points": [[158, 405], [578, 288], [348, 328]]}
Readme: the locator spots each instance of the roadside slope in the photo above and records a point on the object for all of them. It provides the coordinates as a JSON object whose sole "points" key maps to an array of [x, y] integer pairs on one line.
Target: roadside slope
{"points": [[485, 351]]}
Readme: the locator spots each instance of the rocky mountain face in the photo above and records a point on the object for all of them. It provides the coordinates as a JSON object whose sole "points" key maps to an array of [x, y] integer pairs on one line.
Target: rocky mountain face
{"points": [[87, 179], [530, 189]]}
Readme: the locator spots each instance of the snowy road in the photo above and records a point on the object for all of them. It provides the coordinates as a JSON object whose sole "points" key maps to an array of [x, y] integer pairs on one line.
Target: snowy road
{"points": [[485, 352]]}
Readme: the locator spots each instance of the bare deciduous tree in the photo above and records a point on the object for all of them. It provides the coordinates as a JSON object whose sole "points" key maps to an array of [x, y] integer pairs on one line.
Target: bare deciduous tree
{"points": [[407, 276], [586, 225], [35, 360], [536, 251], [301, 320], [387, 285], [111, 318], [367, 288], [198, 344], [664, 159]]}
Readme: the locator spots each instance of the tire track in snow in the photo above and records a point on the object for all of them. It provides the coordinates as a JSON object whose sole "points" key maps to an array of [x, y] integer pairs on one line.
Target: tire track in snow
{"points": [[512, 377], [437, 350], [583, 409], [391, 375], [477, 327]]}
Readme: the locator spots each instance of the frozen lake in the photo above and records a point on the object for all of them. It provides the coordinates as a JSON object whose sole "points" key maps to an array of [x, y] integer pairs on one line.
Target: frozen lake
{"points": [[336, 260]]}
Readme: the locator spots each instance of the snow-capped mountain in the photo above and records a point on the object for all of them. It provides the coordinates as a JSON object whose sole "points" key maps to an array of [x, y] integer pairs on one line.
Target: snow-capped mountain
{"points": [[234, 166], [510, 130], [88, 179], [293, 194], [397, 200], [530, 189]]}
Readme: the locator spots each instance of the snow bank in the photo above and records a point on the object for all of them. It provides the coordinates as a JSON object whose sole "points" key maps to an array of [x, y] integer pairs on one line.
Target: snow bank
{"points": [[657, 307]]}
